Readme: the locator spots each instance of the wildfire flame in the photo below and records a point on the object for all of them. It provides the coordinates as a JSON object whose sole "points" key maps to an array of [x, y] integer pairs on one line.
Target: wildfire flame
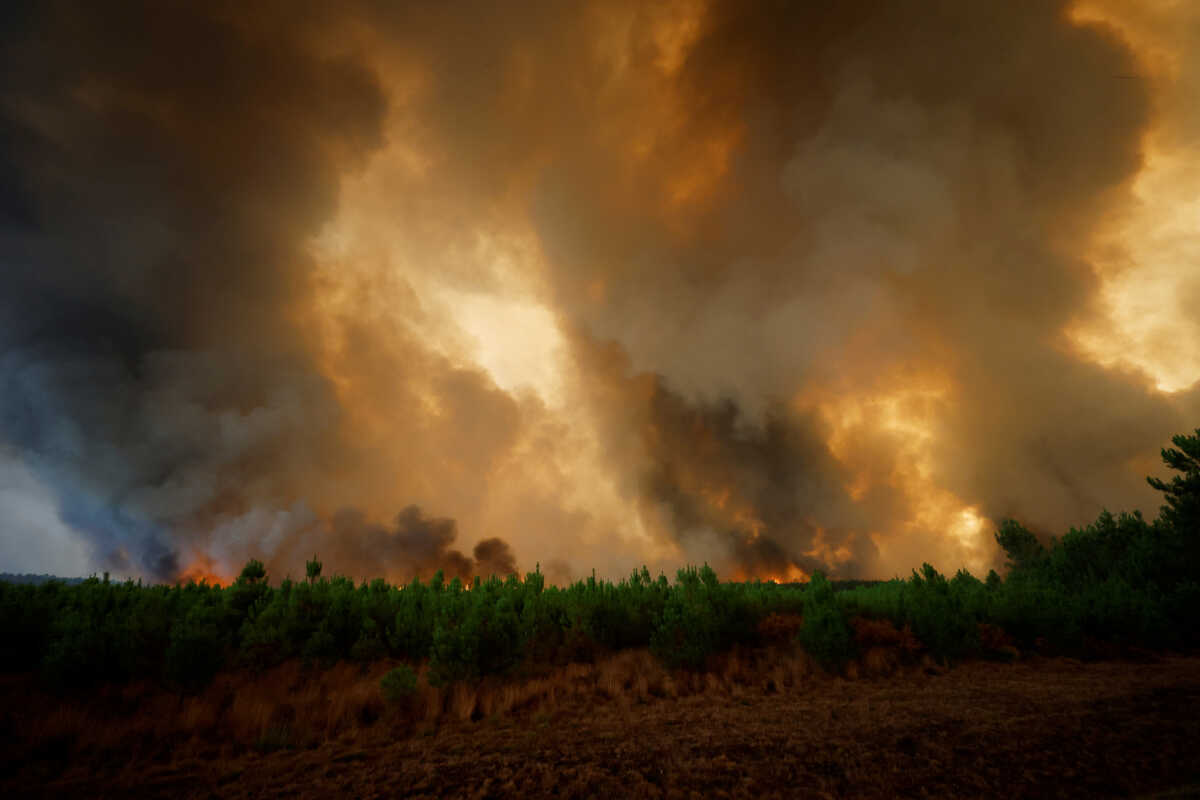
{"points": [[202, 569], [792, 574]]}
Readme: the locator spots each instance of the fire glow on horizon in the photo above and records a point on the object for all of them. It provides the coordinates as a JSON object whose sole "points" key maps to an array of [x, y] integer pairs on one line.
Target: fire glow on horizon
{"points": [[601, 285]]}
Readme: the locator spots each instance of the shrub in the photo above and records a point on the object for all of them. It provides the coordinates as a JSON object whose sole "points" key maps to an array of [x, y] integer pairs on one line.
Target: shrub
{"points": [[477, 633], [940, 612], [687, 633], [1031, 609], [412, 625], [701, 616], [399, 684], [321, 647], [196, 650], [825, 634]]}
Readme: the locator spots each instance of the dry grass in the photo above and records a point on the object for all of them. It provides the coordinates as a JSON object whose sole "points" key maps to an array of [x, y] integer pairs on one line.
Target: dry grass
{"points": [[870, 633], [757, 724], [780, 627], [291, 706]]}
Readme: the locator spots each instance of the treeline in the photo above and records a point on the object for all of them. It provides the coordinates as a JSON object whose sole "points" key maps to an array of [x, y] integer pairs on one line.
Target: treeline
{"points": [[1122, 581], [101, 631], [29, 577]]}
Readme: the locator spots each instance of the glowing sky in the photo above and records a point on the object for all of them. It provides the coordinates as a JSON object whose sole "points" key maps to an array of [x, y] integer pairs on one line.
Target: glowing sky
{"points": [[590, 285]]}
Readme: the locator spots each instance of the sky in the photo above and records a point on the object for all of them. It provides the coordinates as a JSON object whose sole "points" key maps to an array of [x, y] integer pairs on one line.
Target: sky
{"points": [[589, 285]]}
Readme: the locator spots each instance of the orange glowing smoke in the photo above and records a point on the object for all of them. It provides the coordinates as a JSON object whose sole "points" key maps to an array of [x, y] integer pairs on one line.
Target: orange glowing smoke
{"points": [[792, 574], [202, 570], [725, 506], [900, 416]]}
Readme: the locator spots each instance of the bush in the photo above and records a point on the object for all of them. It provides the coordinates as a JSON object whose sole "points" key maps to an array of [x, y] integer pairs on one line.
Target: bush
{"points": [[412, 624], [369, 646], [477, 633], [399, 684], [702, 616], [196, 650], [825, 634], [321, 647], [687, 633], [940, 611], [1030, 610]]}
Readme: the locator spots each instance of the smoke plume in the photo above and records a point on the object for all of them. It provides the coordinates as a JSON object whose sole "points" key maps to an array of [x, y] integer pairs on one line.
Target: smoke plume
{"points": [[782, 287]]}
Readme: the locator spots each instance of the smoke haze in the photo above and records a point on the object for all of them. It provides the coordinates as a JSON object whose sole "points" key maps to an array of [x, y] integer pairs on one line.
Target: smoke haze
{"points": [[780, 287]]}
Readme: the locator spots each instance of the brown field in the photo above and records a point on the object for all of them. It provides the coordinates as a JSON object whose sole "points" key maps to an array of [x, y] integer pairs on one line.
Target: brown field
{"points": [[759, 724]]}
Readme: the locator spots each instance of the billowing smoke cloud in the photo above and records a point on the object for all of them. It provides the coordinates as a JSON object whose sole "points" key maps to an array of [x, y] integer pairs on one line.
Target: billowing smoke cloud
{"points": [[168, 168], [415, 545], [779, 288], [765, 496]]}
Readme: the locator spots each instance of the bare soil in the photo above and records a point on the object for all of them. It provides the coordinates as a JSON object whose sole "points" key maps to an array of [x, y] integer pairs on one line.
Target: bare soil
{"points": [[1036, 728]]}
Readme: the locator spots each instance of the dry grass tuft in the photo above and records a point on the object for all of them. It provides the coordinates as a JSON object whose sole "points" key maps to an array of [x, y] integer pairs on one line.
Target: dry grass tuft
{"points": [[870, 632], [879, 661], [780, 627]]}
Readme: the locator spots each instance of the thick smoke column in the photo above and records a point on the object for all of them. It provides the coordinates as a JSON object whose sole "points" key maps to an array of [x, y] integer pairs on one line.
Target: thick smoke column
{"points": [[777, 287], [167, 166]]}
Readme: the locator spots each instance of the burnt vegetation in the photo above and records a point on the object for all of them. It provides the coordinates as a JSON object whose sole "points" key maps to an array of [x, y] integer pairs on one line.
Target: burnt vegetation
{"points": [[1120, 583]]}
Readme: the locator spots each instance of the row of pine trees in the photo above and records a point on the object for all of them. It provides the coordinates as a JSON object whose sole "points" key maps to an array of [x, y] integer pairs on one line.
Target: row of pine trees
{"points": [[1123, 581]]}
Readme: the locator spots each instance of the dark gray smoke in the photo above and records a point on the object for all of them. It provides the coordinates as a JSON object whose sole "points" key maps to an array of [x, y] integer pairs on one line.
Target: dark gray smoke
{"points": [[165, 168], [813, 269]]}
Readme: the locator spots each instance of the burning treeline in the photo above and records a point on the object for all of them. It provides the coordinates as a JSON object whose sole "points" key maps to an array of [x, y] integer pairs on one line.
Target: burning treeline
{"points": [[591, 284], [1121, 582]]}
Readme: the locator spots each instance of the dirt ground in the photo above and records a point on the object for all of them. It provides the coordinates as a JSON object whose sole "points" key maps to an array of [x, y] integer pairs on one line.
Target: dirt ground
{"points": [[1036, 728]]}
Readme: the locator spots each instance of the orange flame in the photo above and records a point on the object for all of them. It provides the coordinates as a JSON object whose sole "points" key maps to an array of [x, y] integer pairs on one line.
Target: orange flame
{"points": [[792, 574], [201, 570]]}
